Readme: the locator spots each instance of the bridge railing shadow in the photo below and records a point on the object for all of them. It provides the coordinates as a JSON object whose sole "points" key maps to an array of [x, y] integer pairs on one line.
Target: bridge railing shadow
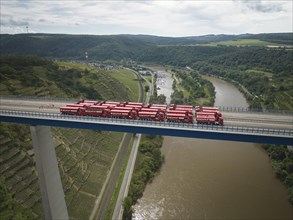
{"points": [[238, 129]]}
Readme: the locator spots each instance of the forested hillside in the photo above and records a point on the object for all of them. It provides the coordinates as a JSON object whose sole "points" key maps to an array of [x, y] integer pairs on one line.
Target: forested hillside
{"points": [[34, 76], [280, 38], [84, 156], [264, 75], [183, 55], [117, 47], [67, 47]]}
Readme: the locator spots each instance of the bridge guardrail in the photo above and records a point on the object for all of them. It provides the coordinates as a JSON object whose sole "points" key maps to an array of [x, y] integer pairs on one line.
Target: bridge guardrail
{"points": [[247, 109], [249, 130]]}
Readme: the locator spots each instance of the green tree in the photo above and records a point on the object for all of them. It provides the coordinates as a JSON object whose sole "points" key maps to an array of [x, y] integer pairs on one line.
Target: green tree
{"points": [[127, 208]]}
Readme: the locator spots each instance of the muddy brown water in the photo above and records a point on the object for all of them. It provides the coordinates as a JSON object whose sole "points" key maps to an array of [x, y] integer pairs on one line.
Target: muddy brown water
{"points": [[207, 179]]}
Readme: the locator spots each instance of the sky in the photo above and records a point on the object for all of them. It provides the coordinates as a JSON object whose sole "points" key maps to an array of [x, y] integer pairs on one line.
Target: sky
{"points": [[173, 18]]}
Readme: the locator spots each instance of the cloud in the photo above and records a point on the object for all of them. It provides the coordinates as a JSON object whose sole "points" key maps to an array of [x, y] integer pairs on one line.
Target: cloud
{"points": [[156, 17], [10, 21], [263, 6]]}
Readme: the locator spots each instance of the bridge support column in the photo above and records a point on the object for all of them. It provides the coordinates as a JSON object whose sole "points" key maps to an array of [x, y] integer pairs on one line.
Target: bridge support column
{"points": [[53, 198]]}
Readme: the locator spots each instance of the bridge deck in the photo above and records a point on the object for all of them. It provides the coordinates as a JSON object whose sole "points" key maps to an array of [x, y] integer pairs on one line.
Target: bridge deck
{"points": [[232, 133]]}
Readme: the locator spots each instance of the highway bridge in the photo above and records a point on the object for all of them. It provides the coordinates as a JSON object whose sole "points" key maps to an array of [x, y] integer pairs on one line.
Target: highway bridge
{"points": [[240, 125]]}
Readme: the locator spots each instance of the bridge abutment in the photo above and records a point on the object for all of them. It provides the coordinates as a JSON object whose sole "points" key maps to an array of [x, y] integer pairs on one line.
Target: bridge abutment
{"points": [[53, 198]]}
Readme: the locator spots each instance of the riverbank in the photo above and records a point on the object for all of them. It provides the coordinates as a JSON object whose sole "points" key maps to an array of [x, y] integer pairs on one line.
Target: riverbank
{"points": [[204, 179], [149, 161], [249, 97], [282, 163], [281, 158]]}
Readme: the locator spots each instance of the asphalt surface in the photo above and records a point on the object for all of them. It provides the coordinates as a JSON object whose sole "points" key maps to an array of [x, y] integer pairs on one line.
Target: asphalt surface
{"points": [[243, 119], [118, 211], [117, 168], [113, 178]]}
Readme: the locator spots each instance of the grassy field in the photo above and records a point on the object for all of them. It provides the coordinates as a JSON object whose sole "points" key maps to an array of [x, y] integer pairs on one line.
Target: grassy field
{"points": [[244, 42], [129, 79], [78, 66], [261, 72], [108, 86]]}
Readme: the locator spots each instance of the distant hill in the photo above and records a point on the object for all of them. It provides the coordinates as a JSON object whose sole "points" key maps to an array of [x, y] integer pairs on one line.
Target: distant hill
{"points": [[281, 38], [185, 40], [114, 47]]}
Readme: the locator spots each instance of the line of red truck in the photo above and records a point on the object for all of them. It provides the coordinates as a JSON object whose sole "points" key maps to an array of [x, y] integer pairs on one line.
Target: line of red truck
{"points": [[140, 111]]}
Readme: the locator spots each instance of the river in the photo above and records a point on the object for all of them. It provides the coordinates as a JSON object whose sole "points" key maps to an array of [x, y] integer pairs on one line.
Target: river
{"points": [[207, 179], [164, 85]]}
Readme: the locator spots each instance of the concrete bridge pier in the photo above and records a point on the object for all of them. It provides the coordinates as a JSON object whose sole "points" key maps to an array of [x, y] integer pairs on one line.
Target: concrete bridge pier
{"points": [[53, 198]]}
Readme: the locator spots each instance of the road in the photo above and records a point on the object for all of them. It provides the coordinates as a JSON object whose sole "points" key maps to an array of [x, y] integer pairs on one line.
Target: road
{"points": [[113, 178], [243, 119], [262, 120], [111, 183], [118, 211]]}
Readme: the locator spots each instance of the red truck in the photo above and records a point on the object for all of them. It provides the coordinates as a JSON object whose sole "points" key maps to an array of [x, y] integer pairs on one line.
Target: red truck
{"points": [[209, 119], [136, 110], [125, 114], [70, 110], [124, 108], [158, 106], [178, 117], [134, 103], [138, 107], [184, 109], [217, 112], [80, 105], [187, 112], [174, 106], [152, 116], [81, 111], [97, 107]]}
